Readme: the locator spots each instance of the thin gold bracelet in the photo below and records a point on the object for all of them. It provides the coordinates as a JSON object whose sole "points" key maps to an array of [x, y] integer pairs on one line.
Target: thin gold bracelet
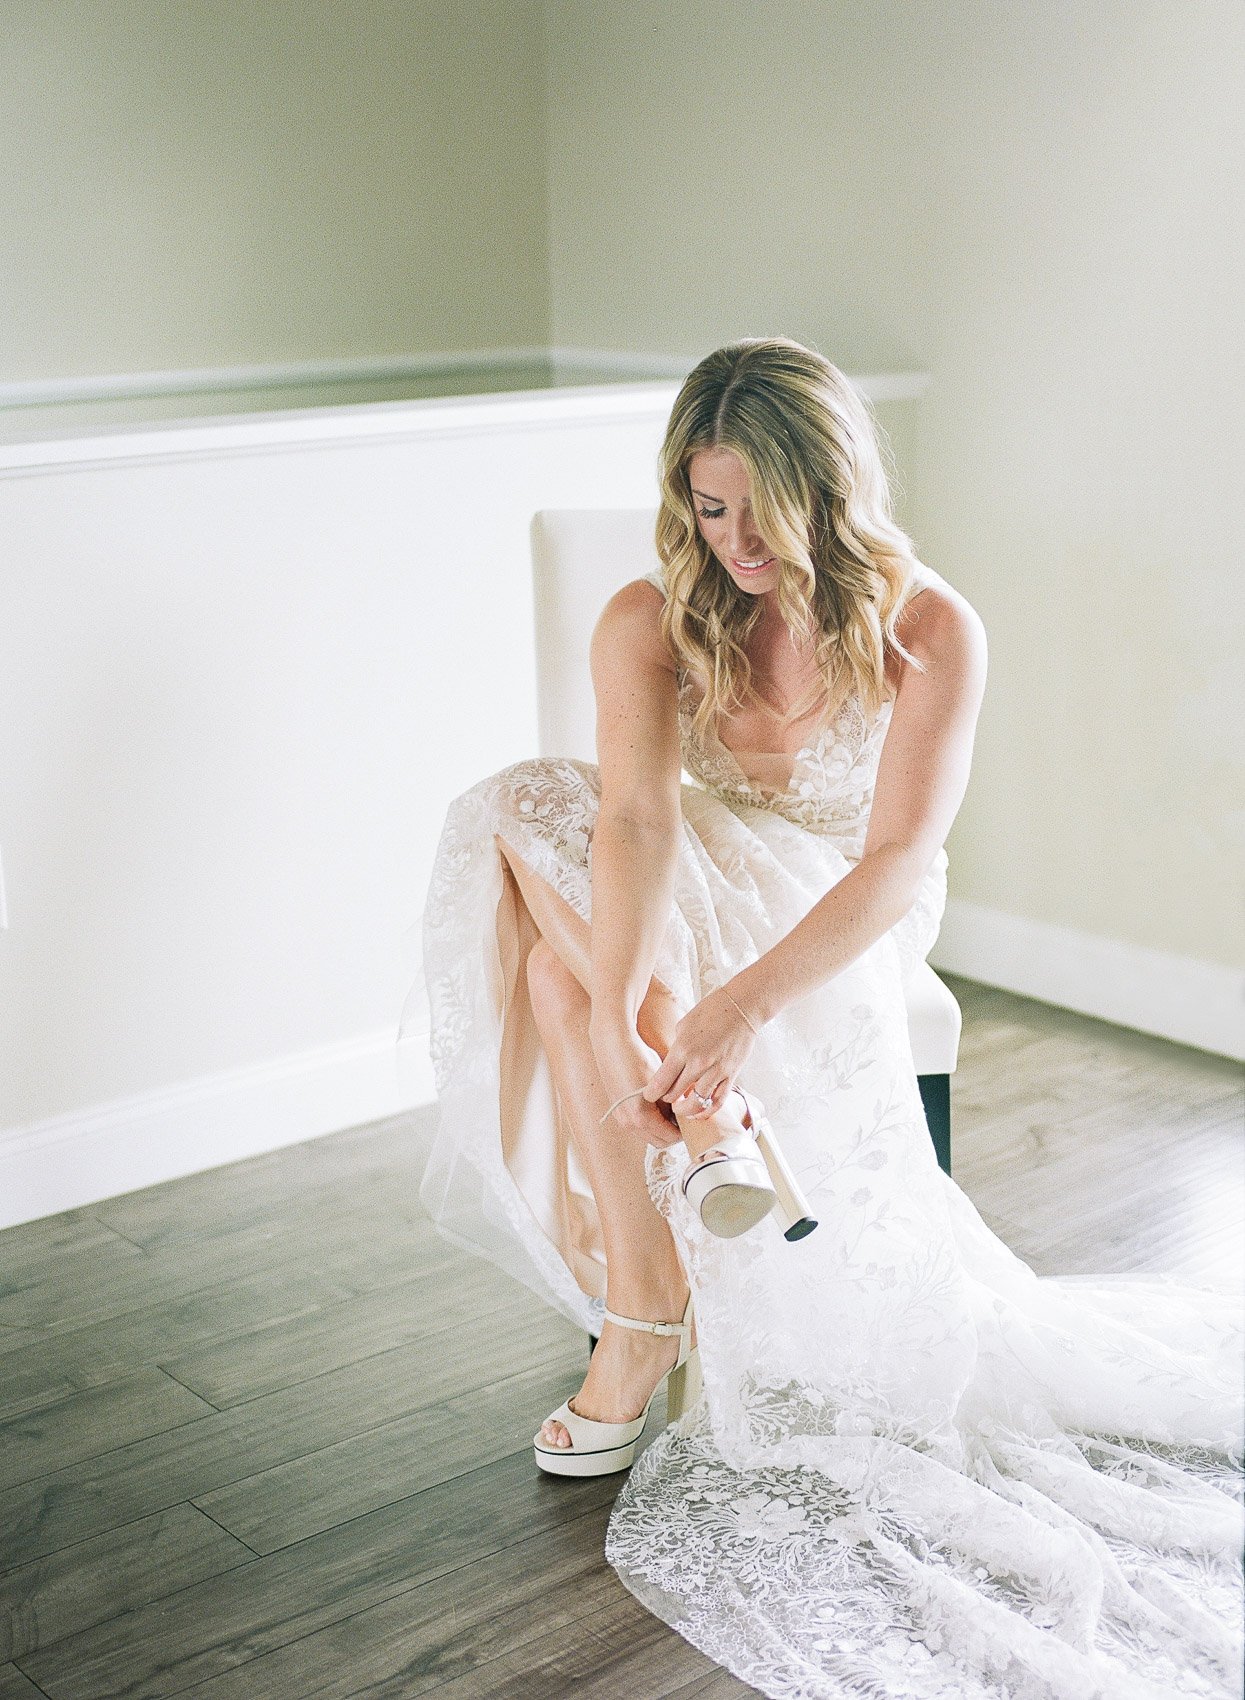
{"points": [[744, 1013]]}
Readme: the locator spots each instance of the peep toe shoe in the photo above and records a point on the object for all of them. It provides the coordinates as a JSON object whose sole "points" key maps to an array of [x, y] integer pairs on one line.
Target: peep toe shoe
{"points": [[597, 1449], [745, 1177]]}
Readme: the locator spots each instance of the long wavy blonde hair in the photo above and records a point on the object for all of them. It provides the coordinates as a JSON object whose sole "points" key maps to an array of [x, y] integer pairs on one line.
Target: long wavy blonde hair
{"points": [[821, 501]]}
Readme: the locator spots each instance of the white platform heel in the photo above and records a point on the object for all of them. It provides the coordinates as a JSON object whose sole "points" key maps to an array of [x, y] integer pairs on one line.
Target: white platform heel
{"points": [[597, 1449], [744, 1177]]}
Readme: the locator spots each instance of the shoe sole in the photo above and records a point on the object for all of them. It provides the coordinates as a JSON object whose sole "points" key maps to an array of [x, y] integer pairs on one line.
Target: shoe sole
{"points": [[731, 1209], [568, 1462]]}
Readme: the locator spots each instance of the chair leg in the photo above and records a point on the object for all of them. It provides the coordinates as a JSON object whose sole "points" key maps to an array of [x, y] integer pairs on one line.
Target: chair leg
{"points": [[936, 1097]]}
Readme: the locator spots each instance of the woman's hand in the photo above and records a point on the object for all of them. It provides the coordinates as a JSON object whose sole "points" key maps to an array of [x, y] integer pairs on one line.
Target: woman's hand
{"points": [[711, 1044], [625, 1064]]}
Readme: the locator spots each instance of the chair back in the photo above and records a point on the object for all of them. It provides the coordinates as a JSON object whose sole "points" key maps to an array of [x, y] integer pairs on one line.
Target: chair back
{"points": [[580, 557]]}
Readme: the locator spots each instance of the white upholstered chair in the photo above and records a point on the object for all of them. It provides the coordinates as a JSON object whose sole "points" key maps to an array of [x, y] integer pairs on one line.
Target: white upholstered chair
{"points": [[580, 557]]}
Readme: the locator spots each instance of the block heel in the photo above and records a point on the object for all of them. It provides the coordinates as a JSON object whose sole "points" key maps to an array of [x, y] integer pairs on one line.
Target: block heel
{"points": [[684, 1385]]}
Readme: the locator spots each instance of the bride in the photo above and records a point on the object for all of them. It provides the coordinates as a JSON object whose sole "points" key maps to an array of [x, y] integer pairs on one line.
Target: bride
{"points": [[677, 1099]]}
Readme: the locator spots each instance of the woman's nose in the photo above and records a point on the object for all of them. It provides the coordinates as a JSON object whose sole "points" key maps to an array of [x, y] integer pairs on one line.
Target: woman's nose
{"points": [[743, 540]]}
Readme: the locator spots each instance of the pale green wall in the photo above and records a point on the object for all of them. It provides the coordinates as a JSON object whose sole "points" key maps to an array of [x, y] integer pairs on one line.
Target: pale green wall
{"points": [[1040, 205], [208, 183], [1036, 203]]}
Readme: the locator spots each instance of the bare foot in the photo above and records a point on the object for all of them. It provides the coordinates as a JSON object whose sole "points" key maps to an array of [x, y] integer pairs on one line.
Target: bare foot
{"points": [[626, 1365]]}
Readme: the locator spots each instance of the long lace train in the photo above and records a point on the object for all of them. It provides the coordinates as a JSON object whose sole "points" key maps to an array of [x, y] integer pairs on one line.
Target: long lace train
{"points": [[918, 1470]]}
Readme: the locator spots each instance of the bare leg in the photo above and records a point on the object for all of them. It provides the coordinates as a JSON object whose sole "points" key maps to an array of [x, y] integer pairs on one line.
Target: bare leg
{"points": [[644, 1276], [571, 940]]}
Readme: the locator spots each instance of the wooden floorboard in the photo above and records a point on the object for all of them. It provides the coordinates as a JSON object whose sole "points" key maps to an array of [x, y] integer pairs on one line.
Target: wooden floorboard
{"points": [[263, 1433], [99, 1578], [1095, 1149], [122, 1483], [173, 1641], [15, 1686]]}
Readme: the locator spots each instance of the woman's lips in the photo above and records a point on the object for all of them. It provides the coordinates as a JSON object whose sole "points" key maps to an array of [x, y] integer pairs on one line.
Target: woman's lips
{"points": [[761, 566]]}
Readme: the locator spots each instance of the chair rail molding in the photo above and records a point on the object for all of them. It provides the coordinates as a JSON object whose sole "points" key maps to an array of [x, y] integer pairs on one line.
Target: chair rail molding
{"points": [[118, 386], [225, 411]]}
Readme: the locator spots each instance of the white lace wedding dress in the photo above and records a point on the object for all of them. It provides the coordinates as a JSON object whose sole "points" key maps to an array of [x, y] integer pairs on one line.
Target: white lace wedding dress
{"points": [[918, 1470]]}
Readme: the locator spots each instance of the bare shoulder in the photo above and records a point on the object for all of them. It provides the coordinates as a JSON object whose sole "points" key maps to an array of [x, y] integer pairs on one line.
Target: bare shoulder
{"points": [[629, 626], [940, 626]]}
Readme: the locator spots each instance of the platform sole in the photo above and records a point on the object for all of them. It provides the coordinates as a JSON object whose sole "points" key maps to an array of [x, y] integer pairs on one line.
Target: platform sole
{"points": [[565, 1461]]}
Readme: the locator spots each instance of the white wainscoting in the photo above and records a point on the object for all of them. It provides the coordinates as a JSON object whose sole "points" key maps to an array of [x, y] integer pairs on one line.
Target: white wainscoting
{"points": [[245, 664]]}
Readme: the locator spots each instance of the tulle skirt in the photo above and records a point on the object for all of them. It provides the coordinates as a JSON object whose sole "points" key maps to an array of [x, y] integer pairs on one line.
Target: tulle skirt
{"points": [[917, 1469]]}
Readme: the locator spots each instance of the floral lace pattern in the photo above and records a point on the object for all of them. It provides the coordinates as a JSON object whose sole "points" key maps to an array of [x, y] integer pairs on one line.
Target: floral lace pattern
{"points": [[918, 1470], [832, 780]]}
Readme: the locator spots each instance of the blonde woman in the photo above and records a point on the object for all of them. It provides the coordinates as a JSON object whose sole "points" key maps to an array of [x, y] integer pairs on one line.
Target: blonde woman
{"points": [[678, 1101]]}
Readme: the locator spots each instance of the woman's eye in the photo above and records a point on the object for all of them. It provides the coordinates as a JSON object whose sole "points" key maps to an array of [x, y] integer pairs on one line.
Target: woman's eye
{"points": [[712, 513]]}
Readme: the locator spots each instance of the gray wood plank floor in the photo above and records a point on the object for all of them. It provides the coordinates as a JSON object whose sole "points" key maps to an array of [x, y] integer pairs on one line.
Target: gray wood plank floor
{"points": [[264, 1434]]}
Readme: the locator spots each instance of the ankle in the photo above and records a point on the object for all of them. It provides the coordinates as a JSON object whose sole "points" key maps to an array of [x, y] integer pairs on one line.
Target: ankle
{"points": [[648, 1302]]}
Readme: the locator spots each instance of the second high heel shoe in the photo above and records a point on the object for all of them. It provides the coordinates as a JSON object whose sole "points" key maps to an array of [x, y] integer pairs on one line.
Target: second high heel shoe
{"points": [[744, 1177]]}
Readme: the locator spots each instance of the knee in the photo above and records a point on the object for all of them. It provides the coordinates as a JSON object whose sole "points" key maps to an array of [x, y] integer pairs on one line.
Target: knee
{"points": [[551, 984], [540, 786]]}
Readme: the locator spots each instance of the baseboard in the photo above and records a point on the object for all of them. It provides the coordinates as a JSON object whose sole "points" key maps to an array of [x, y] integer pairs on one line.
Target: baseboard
{"points": [[1175, 997], [91, 1154]]}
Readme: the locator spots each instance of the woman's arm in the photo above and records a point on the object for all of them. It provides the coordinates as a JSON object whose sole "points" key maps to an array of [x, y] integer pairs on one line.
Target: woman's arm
{"points": [[921, 780], [635, 841]]}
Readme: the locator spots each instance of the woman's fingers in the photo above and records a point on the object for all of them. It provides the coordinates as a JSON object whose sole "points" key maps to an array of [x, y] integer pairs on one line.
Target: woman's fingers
{"points": [[700, 1100], [716, 1097], [678, 1075], [678, 1093], [709, 1043], [665, 1080], [650, 1124], [684, 1081]]}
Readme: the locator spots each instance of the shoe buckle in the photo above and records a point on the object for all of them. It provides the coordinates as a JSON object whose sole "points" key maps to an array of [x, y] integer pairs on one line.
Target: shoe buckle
{"points": [[650, 1327]]}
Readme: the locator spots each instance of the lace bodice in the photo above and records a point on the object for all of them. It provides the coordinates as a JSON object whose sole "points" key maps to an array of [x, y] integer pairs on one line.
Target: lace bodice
{"points": [[832, 781], [830, 789]]}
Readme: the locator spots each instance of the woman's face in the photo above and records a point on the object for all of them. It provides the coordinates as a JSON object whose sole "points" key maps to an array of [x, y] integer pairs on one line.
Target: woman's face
{"points": [[720, 491]]}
